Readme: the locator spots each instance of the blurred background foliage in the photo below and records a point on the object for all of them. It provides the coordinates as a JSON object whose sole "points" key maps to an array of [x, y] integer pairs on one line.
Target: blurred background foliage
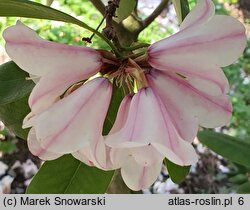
{"points": [[163, 26]]}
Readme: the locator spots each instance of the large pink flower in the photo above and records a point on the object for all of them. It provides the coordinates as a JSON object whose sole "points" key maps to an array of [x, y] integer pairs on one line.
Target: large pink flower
{"points": [[58, 65], [62, 117], [187, 74], [185, 88], [142, 136]]}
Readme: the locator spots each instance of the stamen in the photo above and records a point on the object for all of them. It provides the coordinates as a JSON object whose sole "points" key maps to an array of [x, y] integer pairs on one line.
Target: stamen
{"points": [[138, 73], [33, 77], [72, 88], [180, 75]]}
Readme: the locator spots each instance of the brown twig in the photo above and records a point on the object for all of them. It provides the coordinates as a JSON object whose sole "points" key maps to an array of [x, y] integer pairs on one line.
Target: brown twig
{"points": [[110, 10], [99, 6], [158, 10], [136, 8]]}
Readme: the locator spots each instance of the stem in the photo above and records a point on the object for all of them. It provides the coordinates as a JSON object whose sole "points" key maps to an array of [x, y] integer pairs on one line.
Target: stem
{"points": [[81, 24], [97, 28], [136, 55], [113, 47], [135, 47], [158, 10]]}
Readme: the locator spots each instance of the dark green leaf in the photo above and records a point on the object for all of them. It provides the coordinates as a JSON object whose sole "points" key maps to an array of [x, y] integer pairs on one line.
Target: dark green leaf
{"points": [[68, 175], [181, 9], [117, 96], [244, 188], [13, 83], [234, 149], [15, 90], [125, 9], [12, 115], [29, 9], [239, 179], [8, 146], [177, 173]]}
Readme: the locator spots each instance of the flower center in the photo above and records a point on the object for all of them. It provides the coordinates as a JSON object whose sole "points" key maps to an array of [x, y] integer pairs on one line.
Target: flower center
{"points": [[128, 74]]}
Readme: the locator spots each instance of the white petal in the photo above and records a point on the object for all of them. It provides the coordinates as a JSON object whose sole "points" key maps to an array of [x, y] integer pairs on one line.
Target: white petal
{"points": [[149, 123], [122, 114], [36, 149], [94, 154], [138, 177], [146, 155], [205, 44], [119, 156], [39, 57], [75, 120], [211, 111], [201, 13]]}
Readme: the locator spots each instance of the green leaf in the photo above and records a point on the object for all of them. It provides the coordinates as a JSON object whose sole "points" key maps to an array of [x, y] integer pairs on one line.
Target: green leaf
{"points": [[244, 188], [13, 83], [234, 149], [70, 176], [8, 146], [12, 115], [177, 173], [239, 179], [117, 96], [15, 90], [181, 8], [125, 9], [29, 9]]}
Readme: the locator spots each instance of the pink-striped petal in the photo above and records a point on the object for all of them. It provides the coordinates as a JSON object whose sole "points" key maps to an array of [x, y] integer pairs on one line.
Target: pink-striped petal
{"points": [[207, 78], [205, 44], [36, 148], [140, 166], [59, 65], [181, 95], [95, 153], [148, 123], [39, 57], [184, 121], [201, 13], [75, 120], [122, 114], [50, 87]]}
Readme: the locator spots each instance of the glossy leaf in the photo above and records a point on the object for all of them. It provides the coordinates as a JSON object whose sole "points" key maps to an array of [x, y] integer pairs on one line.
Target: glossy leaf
{"points": [[234, 149], [29, 9], [117, 96], [67, 175], [177, 173], [12, 115], [13, 83], [8, 146], [239, 179], [244, 188], [181, 9], [125, 9], [15, 90]]}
